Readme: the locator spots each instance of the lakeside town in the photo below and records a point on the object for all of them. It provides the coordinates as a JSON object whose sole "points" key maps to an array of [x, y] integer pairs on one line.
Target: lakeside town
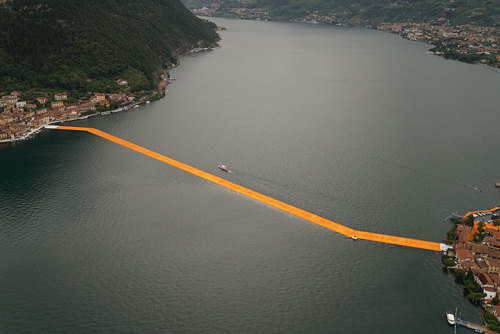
{"points": [[474, 258], [24, 114], [468, 43]]}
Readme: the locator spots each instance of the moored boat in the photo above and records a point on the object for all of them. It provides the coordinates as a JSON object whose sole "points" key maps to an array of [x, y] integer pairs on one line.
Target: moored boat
{"points": [[450, 317]]}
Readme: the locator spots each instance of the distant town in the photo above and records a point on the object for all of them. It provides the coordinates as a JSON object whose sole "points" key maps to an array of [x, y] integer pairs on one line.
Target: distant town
{"points": [[23, 114], [468, 43]]}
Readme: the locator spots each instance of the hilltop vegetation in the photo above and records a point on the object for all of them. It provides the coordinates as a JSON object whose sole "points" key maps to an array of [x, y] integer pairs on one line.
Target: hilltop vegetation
{"points": [[86, 45], [458, 12]]}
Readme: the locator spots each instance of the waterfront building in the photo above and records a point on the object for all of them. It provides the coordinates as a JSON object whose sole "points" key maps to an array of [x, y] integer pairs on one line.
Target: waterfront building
{"points": [[58, 105], [86, 106], [117, 97], [98, 97]]}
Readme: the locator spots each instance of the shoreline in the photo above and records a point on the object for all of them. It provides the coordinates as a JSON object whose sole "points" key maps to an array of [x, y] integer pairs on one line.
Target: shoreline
{"points": [[434, 50], [33, 132], [37, 130]]}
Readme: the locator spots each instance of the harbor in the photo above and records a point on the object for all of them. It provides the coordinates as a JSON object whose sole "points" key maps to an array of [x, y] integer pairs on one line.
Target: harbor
{"points": [[454, 320], [470, 325]]}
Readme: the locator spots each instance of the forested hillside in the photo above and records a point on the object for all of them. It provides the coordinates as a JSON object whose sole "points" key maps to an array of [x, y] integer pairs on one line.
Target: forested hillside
{"points": [[458, 12], [87, 44], [479, 12]]}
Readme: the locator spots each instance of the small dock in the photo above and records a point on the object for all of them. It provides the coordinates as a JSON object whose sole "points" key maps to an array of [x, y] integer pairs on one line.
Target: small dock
{"points": [[471, 325], [455, 216]]}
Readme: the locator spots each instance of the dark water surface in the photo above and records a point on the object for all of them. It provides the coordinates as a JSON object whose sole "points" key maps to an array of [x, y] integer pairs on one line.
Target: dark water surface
{"points": [[358, 126]]}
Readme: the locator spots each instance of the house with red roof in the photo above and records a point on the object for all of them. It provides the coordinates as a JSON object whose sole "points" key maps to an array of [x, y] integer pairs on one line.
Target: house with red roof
{"points": [[42, 99], [493, 265], [463, 232], [462, 255], [58, 105], [61, 96]]}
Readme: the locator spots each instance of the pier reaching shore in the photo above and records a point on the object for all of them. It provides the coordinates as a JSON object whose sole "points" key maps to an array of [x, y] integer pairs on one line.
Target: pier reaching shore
{"points": [[339, 228]]}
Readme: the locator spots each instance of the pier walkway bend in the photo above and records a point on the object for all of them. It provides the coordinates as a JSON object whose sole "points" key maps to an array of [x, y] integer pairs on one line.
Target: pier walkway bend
{"points": [[339, 228]]}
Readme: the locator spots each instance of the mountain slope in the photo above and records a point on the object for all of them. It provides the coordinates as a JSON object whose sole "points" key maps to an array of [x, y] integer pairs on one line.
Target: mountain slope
{"points": [[87, 45], [458, 12], [481, 12]]}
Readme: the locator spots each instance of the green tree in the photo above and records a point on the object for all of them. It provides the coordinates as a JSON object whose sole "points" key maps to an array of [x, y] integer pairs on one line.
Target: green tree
{"points": [[490, 318], [469, 221], [452, 235], [448, 260], [476, 296], [460, 276], [87, 45]]}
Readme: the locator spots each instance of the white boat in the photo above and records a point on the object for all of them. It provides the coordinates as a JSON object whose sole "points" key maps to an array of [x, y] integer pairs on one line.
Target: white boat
{"points": [[148, 102], [354, 238], [224, 168], [450, 317]]}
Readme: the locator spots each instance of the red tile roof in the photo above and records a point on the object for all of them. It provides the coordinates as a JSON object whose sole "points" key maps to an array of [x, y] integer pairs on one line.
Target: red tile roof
{"points": [[485, 279], [463, 232], [463, 254], [493, 262], [469, 264], [493, 232], [496, 279]]}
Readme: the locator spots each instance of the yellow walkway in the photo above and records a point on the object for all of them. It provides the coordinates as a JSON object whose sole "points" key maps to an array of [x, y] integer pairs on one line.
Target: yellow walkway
{"points": [[389, 239]]}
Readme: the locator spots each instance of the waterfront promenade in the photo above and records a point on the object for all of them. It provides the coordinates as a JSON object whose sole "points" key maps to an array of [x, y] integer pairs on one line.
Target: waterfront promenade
{"points": [[339, 228]]}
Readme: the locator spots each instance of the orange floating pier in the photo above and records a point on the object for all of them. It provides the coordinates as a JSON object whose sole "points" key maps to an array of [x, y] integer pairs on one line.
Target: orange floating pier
{"points": [[339, 228], [475, 226]]}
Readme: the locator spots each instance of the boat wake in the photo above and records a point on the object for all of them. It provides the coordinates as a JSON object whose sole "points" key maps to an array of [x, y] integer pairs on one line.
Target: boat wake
{"points": [[284, 190], [416, 171]]}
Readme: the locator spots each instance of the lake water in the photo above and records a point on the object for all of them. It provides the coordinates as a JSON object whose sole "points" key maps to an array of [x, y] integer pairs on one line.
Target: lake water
{"points": [[358, 126]]}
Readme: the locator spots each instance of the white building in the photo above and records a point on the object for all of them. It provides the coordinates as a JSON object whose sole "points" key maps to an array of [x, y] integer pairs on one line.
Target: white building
{"points": [[20, 104]]}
